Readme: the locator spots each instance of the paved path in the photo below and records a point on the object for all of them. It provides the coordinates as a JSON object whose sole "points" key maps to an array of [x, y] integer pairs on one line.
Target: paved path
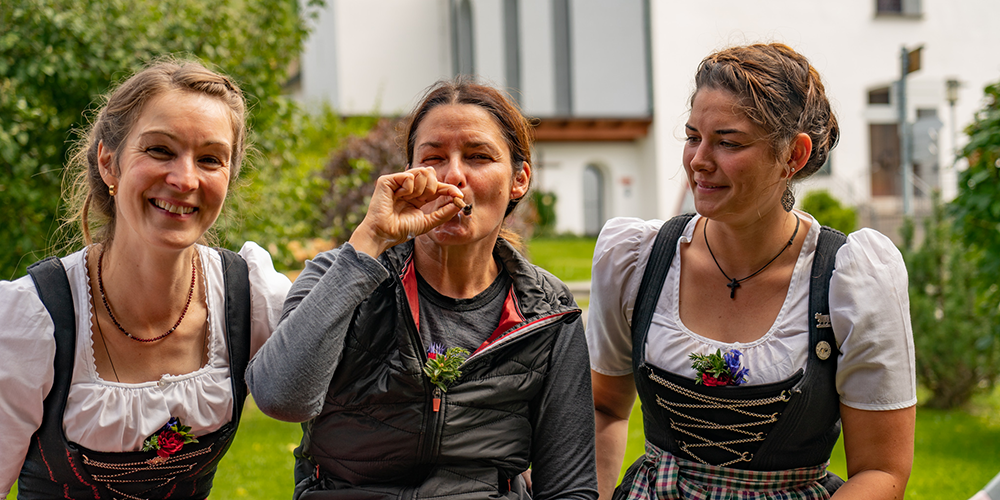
{"points": [[581, 292]]}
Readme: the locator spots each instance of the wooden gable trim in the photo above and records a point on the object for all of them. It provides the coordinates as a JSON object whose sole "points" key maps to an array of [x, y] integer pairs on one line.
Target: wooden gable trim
{"points": [[591, 129]]}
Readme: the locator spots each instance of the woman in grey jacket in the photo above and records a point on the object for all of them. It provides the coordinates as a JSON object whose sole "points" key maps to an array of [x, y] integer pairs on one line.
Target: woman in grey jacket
{"points": [[427, 357]]}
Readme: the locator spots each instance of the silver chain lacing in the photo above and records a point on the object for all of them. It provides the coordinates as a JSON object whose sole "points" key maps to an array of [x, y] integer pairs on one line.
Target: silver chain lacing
{"points": [[716, 403], [133, 467]]}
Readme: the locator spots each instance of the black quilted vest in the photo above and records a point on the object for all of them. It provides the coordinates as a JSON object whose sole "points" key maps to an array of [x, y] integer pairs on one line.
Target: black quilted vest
{"points": [[378, 435]]}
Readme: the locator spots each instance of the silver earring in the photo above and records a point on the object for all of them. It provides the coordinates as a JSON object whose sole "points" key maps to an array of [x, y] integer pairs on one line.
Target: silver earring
{"points": [[788, 198]]}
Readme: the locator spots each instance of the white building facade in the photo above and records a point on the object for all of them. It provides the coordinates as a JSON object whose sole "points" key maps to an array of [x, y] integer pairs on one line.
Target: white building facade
{"points": [[610, 81]]}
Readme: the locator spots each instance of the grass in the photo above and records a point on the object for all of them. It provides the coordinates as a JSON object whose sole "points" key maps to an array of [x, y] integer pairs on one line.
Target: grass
{"points": [[568, 258], [259, 463]]}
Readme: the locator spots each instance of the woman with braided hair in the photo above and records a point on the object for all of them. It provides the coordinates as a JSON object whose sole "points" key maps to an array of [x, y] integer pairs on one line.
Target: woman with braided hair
{"points": [[750, 332], [121, 372]]}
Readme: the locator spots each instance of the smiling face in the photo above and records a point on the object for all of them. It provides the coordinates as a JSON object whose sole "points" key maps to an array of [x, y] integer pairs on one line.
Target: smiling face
{"points": [[465, 146], [172, 171], [731, 169]]}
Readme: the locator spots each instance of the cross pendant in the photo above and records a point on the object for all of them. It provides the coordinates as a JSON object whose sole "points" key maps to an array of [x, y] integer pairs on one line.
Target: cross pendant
{"points": [[733, 285]]}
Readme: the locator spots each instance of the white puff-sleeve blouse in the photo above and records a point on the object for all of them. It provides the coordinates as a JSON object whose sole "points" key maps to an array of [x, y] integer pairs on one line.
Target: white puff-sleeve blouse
{"points": [[110, 416], [869, 309]]}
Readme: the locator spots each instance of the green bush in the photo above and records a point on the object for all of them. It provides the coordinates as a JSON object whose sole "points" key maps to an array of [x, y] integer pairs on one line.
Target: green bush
{"points": [[545, 207], [350, 176], [281, 203], [957, 351], [829, 212]]}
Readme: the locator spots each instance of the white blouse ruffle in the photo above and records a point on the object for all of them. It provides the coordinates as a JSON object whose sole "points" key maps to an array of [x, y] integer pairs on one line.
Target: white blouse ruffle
{"points": [[106, 415], [869, 312]]}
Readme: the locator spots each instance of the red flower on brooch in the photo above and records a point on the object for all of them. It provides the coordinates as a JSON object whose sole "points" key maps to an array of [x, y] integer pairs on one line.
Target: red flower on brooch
{"points": [[719, 369], [170, 439], [442, 367]]}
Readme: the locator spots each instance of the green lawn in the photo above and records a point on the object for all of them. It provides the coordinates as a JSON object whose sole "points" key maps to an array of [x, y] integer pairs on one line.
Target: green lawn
{"points": [[259, 464], [568, 258]]}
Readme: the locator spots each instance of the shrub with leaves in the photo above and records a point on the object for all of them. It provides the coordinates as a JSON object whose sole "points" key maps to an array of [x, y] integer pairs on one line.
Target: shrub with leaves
{"points": [[351, 173], [957, 351], [544, 204], [829, 212]]}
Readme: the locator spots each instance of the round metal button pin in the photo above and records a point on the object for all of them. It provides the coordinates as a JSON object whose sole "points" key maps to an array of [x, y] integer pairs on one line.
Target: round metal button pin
{"points": [[823, 350]]}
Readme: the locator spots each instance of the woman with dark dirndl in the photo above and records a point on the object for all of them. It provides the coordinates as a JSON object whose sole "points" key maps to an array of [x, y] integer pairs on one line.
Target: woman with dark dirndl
{"points": [[750, 332], [122, 367]]}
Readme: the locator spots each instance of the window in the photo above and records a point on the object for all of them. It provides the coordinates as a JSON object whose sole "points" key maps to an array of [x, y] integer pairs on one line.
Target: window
{"points": [[897, 8], [878, 96], [885, 158], [512, 46], [463, 47], [563, 57], [889, 6]]}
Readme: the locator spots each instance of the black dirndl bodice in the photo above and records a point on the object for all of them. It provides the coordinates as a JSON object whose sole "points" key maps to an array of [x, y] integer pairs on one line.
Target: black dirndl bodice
{"points": [[56, 468], [778, 426]]}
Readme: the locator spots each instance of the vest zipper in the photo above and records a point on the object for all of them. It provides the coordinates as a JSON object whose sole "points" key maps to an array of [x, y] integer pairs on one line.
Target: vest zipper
{"points": [[437, 399]]}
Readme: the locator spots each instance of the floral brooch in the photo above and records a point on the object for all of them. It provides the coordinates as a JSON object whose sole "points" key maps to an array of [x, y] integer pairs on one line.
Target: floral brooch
{"points": [[168, 440], [719, 369], [442, 366]]}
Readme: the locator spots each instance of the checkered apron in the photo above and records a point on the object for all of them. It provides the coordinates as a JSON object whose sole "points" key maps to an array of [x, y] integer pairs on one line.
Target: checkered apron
{"points": [[662, 476]]}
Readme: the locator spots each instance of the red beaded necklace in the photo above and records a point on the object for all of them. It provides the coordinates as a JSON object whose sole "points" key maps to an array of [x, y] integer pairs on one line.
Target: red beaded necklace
{"points": [[104, 298]]}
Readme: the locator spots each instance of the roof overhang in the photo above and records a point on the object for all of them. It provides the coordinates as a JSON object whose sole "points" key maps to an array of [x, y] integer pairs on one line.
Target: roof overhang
{"points": [[591, 129]]}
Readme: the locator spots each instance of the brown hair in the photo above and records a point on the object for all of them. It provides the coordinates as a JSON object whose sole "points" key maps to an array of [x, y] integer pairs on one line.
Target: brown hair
{"points": [[779, 91], [516, 129], [88, 195]]}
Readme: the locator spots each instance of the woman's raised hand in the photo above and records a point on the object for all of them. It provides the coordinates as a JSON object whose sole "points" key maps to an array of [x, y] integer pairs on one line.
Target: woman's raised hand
{"points": [[405, 205]]}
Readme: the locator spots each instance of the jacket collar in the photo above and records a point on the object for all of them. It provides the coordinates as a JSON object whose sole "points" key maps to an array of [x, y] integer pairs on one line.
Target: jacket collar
{"points": [[536, 291]]}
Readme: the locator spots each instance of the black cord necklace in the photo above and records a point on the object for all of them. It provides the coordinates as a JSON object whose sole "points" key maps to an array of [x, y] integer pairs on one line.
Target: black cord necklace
{"points": [[733, 282]]}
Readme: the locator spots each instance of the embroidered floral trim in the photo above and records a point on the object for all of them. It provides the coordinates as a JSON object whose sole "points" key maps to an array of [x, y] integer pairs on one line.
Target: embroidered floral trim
{"points": [[719, 369], [442, 366], [170, 439]]}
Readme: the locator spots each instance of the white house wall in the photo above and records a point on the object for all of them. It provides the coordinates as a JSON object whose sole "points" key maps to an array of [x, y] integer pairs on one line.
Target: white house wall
{"points": [[487, 17], [537, 58], [319, 60], [387, 53], [560, 167], [609, 72], [854, 52]]}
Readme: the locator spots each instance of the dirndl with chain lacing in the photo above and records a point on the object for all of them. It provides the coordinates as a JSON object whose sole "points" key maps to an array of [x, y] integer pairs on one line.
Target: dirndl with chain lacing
{"points": [[749, 442]]}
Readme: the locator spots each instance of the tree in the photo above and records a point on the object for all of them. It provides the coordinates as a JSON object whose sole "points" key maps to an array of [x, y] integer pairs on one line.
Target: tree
{"points": [[58, 56], [977, 207], [957, 352]]}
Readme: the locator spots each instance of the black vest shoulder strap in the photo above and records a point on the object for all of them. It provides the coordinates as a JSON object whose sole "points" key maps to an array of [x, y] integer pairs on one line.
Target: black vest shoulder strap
{"points": [[830, 241], [237, 283], [53, 288], [657, 266]]}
